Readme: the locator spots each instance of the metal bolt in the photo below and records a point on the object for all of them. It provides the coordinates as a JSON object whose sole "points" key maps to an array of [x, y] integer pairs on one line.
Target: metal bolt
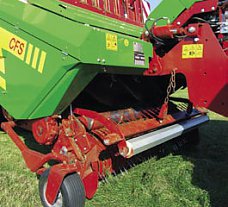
{"points": [[196, 39], [146, 33], [202, 10], [213, 8], [63, 150], [122, 154], [155, 70], [85, 148], [191, 29], [178, 23], [103, 61], [106, 142], [98, 60]]}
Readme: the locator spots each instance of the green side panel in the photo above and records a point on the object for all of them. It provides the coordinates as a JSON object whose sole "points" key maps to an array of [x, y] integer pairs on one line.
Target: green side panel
{"points": [[58, 58], [85, 42], [66, 90], [87, 17], [171, 9], [26, 87]]}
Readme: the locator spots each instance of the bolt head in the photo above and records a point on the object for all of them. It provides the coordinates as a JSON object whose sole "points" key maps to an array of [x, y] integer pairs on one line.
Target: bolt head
{"points": [[196, 39], [147, 33], [191, 29]]}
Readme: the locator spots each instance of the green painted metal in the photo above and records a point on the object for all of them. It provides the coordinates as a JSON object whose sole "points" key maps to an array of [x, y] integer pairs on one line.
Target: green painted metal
{"points": [[87, 17], [75, 52], [170, 9]]}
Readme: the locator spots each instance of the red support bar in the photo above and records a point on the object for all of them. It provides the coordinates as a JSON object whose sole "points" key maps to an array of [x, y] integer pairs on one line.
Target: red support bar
{"points": [[112, 5], [34, 160]]}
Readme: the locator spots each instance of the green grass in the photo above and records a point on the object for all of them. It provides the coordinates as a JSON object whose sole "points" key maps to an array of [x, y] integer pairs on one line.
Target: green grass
{"points": [[194, 177]]}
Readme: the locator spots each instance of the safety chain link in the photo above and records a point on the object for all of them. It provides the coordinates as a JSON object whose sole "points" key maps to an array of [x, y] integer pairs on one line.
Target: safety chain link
{"points": [[172, 85]]}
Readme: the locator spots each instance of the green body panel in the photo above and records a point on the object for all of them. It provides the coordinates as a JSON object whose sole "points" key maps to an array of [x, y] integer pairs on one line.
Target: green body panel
{"points": [[26, 88], [84, 16], [75, 53], [171, 9]]}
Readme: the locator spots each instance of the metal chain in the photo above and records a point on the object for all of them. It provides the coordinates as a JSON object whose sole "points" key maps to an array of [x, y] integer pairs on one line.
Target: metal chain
{"points": [[172, 85]]}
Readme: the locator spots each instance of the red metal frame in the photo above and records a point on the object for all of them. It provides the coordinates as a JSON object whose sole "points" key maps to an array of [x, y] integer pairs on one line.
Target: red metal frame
{"points": [[197, 8], [206, 77], [128, 11], [77, 149], [34, 160]]}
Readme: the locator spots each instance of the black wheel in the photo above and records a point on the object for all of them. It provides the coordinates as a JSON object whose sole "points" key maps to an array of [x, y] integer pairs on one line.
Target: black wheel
{"points": [[72, 192]]}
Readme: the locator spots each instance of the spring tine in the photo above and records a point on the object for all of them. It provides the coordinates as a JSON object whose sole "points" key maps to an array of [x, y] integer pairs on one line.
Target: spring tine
{"points": [[125, 170], [122, 173], [106, 179]]}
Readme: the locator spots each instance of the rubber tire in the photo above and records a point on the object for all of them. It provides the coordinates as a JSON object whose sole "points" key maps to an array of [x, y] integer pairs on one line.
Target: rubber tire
{"points": [[72, 190]]}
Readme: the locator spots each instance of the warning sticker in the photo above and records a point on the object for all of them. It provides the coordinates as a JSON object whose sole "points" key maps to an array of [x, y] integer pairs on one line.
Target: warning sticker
{"points": [[192, 51], [139, 57], [13, 44], [111, 42]]}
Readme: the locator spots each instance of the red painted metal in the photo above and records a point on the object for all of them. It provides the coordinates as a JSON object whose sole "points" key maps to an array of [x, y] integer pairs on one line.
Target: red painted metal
{"points": [[168, 31], [78, 150], [163, 112], [91, 184], [120, 116], [55, 178], [45, 130], [128, 11], [197, 8], [34, 160], [110, 125], [207, 77]]}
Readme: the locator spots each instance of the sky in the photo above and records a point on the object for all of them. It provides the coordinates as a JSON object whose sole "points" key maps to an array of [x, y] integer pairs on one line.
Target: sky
{"points": [[154, 3]]}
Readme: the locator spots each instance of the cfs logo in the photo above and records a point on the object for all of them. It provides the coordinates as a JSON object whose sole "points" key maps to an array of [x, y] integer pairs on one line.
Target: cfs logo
{"points": [[13, 44], [16, 46], [23, 50]]}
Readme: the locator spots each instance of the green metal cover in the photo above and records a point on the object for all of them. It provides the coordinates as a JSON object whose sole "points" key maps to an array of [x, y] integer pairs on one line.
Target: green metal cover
{"points": [[60, 53], [171, 9]]}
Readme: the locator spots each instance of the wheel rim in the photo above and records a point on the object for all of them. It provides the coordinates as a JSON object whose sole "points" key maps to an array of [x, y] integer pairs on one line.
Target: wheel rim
{"points": [[59, 199]]}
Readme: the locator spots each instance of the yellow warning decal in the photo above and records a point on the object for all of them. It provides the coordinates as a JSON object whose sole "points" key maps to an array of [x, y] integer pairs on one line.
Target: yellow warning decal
{"points": [[13, 44], [111, 42], [2, 62], [2, 83], [2, 71], [192, 51], [20, 48]]}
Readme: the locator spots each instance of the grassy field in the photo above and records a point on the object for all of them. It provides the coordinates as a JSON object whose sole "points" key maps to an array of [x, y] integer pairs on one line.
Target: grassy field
{"points": [[193, 177]]}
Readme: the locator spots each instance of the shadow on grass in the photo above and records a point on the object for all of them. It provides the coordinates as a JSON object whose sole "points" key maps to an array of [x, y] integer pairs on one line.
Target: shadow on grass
{"points": [[210, 160]]}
